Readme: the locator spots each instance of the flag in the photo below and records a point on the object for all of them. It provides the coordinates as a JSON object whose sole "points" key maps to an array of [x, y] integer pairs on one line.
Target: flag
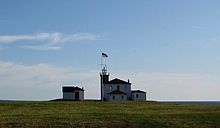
{"points": [[104, 55]]}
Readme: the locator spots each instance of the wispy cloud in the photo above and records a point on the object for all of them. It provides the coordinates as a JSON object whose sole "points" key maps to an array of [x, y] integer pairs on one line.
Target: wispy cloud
{"points": [[53, 38], [41, 47], [174, 86], [20, 81]]}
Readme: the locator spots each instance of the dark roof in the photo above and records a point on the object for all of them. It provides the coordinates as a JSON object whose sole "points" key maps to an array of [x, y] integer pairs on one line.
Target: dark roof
{"points": [[72, 89], [116, 92], [139, 91], [117, 81]]}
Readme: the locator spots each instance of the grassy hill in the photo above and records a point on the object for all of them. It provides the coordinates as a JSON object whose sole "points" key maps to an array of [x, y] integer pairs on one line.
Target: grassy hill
{"points": [[105, 114]]}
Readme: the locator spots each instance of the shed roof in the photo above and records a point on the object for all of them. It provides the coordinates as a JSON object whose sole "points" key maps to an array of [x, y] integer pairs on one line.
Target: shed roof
{"points": [[137, 91], [72, 89]]}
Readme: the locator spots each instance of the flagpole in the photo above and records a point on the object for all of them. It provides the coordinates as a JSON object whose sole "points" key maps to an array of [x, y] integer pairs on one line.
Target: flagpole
{"points": [[101, 78], [101, 62]]}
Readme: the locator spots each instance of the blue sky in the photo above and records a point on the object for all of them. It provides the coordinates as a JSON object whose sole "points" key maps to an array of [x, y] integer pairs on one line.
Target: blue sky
{"points": [[168, 48]]}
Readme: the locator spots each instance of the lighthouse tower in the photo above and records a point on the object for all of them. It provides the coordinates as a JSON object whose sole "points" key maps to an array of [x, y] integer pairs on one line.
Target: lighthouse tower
{"points": [[104, 75]]}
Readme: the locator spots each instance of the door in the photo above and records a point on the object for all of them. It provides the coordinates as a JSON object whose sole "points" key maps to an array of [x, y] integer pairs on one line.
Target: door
{"points": [[76, 95]]}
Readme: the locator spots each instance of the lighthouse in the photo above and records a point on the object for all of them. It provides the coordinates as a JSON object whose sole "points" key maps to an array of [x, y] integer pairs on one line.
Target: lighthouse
{"points": [[116, 89], [104, 77]]}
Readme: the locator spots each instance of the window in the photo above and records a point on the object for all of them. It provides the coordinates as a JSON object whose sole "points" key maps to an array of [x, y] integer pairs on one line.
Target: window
{"points": [[113, 97], [136, 95], [110, 88], [122, 97], [118, 87]]}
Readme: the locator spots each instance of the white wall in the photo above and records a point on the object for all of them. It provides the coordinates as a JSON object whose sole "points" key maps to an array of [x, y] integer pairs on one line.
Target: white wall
{"points": [[68, 95], [71, 95], [111, 87], [81, 95], [118, 97], [138, 96]]}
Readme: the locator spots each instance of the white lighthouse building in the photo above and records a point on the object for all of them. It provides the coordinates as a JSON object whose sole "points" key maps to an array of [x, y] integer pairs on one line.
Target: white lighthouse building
{"points": [[118, 90]]}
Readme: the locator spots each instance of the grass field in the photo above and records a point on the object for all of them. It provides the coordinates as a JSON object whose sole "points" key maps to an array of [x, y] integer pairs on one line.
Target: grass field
{"points": [[88, 114]]}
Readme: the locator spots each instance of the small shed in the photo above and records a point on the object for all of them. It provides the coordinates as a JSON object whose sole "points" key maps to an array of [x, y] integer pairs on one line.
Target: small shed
{"points": [[73, 93], [138, 95]]}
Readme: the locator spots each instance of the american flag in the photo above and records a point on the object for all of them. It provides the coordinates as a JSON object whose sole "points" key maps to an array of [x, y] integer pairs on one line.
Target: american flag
{"points": [[104, 55]]}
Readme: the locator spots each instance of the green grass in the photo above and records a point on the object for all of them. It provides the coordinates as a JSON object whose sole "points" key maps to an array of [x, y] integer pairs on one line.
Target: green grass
{"points": [[92, 114]]}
